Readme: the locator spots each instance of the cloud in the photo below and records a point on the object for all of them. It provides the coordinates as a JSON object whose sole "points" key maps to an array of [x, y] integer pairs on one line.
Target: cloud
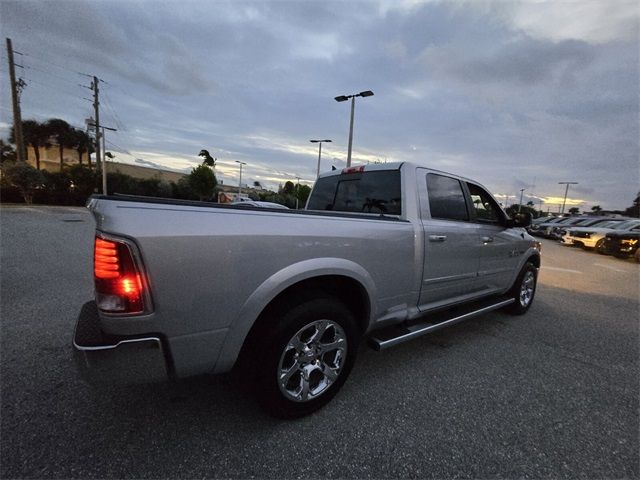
{"points": [[503, 92], [592, 21]]}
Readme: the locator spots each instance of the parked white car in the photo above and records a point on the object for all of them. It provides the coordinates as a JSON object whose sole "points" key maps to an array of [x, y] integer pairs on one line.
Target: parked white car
{"points": [[593, 237]]}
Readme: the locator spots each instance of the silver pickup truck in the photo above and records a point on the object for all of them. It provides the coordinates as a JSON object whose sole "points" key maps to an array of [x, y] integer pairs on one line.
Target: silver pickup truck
{"points": [[383, 252]]}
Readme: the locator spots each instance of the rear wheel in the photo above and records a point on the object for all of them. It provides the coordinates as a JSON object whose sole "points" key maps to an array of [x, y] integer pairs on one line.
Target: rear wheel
{"points": [[303, 362], [524, 289]]}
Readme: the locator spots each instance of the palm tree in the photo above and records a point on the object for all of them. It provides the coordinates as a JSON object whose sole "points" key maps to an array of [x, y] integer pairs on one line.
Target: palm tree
{"points": [[63, 134], [34, 134], [207, 159], [83, 143]]}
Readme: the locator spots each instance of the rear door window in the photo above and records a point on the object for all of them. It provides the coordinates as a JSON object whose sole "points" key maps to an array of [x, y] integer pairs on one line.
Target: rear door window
{"points": [[366, 192], [446, 198]]}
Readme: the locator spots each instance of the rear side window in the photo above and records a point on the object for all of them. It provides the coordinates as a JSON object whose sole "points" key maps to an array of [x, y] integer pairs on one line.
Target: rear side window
{"points": [[446, 199], [367, 192]]}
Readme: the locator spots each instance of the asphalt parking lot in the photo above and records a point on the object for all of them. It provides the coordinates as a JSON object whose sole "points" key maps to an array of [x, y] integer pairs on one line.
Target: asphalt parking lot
{"points": [[553, 393]]}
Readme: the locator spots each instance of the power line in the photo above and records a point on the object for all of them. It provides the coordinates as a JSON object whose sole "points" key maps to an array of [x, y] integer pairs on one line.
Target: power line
{"points": [[54, 87], [75, 83], [116, 118], [55, 64]]}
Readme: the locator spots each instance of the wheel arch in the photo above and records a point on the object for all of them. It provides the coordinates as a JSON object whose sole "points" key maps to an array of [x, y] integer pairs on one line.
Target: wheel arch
{"points": [[340, 278], [533, 258]]}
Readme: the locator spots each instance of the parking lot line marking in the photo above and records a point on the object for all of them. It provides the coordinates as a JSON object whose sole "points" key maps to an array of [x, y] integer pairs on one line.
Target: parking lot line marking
{"points": [[610, 267], [568, 270]]}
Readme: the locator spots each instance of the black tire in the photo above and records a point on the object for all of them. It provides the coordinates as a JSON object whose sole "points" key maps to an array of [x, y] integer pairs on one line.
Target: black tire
{"points": [[522, 302], [272, 350], [599, 245]]}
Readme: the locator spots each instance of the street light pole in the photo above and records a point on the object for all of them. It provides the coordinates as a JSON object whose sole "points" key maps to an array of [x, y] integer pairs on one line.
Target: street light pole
{"points": [[240, 180], [353, 108], [520, 204], [566, 191], [104, 152], [319, 142], [342, 98]]}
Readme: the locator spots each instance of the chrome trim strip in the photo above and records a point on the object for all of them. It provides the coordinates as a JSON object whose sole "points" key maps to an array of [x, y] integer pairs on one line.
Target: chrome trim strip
{"points": [[449, 278], [383, 344], [121, 342], [484, 273], [83, 348]]}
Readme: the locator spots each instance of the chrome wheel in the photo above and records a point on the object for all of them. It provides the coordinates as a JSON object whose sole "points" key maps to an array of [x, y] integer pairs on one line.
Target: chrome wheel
{"points": [[312, 360], [526, 288]]}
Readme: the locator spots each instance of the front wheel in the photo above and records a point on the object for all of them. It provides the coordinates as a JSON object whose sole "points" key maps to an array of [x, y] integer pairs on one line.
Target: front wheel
{"points": [[524, 290], [307, 357]]}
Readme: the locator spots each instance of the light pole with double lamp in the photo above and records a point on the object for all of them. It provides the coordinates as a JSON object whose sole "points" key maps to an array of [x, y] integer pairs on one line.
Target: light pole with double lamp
{"points": [[343, 98], [319, 142], [566, 191]]}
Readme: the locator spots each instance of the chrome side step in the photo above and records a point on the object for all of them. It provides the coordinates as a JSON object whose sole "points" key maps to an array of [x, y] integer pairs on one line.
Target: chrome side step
{"points": [[391, 336]]}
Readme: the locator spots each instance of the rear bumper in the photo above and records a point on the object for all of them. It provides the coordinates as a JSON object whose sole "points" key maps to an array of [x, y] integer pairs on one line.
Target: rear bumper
{"points": [[105, 359]]}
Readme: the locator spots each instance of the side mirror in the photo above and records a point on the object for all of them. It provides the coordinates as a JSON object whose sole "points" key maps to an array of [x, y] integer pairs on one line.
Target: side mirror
{"points": [[520, 220]]}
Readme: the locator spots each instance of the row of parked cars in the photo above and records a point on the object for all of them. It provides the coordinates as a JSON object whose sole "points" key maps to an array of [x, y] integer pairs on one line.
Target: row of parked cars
{"points": [[609, 236]]}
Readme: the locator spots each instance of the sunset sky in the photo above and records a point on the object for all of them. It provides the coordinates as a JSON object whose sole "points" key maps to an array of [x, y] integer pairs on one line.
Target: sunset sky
{"points": [[513, 94]]}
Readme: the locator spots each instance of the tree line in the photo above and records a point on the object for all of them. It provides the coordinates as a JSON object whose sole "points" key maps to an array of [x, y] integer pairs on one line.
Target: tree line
{"points": [[73, 184], [55, 132]]}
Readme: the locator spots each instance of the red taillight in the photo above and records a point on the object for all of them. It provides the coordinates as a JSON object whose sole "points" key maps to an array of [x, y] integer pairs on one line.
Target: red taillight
{"points": [[119, 284]]}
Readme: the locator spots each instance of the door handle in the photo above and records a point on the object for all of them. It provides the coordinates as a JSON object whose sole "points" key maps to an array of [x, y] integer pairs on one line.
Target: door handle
{"points": [[487, 239], [437, 238]]}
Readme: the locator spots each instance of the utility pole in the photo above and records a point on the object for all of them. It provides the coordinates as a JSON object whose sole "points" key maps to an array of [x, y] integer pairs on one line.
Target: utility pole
{"points": [[96, 107], [297, 191], [15, 99]]}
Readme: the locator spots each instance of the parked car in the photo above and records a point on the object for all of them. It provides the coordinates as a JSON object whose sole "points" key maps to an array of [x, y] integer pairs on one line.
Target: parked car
{"points": [[389, 251], [255, 203], [593, 237], [546, 229], [559, 232], [538, 223], [622, 243]]}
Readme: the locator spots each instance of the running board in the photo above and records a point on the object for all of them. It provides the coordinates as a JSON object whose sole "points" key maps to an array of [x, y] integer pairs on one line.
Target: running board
{"points": [[391, 336]]}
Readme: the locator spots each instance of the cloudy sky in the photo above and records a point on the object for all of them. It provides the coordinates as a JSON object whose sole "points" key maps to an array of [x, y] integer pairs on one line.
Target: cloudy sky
{"points": [[513, 94]]}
